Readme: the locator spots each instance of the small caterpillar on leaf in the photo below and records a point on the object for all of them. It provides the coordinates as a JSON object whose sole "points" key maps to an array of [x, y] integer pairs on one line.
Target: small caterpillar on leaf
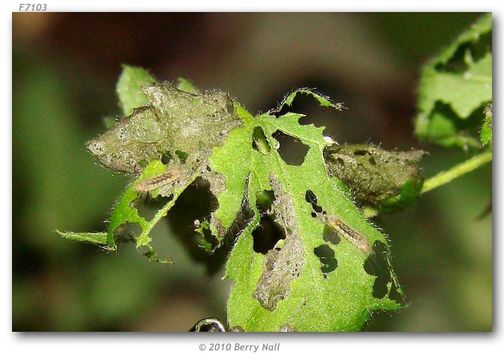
{"points": [[156, 182], [354, 237]]}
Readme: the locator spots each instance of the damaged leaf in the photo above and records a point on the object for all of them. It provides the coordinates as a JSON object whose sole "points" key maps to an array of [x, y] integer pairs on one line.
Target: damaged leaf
{"points": [[289, 287], [284, 262], [377, 178], [306, 280], [454, 88], [175, 124], [322, 99]]}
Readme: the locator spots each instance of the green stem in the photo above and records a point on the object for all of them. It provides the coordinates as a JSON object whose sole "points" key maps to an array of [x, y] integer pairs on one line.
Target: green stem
{"points": [[445, 177]]}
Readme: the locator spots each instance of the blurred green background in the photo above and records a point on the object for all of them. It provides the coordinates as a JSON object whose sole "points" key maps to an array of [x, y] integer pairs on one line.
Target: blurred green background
{"points": [[65, 67]]}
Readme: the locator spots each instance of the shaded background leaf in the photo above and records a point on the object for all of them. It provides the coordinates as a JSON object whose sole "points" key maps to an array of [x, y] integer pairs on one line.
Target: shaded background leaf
{"points": [[454, 88], [129, 88]]}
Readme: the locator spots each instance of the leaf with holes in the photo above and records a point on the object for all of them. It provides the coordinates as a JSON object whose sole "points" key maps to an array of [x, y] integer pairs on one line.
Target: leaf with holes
{"points": [[378, 179], [166, 143], [303, 280], [454, 88], [305, 258]]}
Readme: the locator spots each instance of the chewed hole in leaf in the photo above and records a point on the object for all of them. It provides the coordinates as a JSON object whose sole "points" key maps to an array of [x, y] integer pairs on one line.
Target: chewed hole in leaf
{"points": [[264, 200], [481, 47], [147, 206], [194, 205], [477, 50], [395, 295], [267, 234], [311, 198], [182, 156], [376, 264], [166, 158], [204, 237], [307, 101], [456, 63], [259, 141], [327, 257], [291, 150], [330, 235], [298, 105], [360, 152], [447, 128], [127, 232]]}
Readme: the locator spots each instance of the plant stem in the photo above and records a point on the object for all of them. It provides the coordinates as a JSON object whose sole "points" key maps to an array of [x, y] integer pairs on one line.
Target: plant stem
{"points": [[445, 177]]}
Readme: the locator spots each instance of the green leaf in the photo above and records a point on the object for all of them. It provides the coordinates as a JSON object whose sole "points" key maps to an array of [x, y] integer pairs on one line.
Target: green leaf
{"points": [[129, 88], [92, 238], [253, 304], [187, 86], [175, 126], [322, 99], [286, 289], [126, 212], [454, 87]]}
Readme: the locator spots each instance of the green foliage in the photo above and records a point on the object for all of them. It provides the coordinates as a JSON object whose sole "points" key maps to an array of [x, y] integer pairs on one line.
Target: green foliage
{"points": [[455, 99], [92, 238], [329, 270], [454, 88]]}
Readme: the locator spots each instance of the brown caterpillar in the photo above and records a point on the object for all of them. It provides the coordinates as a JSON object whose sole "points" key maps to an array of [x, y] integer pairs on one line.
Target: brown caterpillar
{"points": [[356, 238], [158, 181]]}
